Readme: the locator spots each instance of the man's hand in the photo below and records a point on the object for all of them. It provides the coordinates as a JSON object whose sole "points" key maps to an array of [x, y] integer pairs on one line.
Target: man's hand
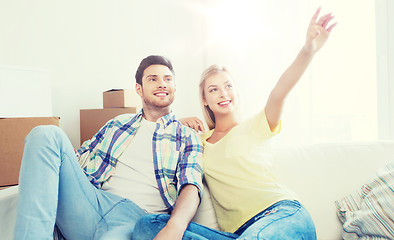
{"points": [[194, 123], [170, 233], [184, 210]]}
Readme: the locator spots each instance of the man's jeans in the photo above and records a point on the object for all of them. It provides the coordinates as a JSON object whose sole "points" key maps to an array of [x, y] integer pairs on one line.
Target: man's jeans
{"points": [[284, 220], [54, 189]]}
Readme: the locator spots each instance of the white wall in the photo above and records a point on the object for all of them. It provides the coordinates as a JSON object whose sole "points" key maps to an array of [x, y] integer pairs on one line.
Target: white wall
{"points": [[24, 92], [336, 98], [385, 66], [94, 45]]}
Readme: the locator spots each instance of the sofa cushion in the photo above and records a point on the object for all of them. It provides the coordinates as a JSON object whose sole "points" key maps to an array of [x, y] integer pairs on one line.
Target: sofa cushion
{"points": [[369, 212], [205, 214], [320, 174]]}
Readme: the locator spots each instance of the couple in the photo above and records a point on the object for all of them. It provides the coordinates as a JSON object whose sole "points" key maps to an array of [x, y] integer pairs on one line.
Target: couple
{"points": [[152, 163]]}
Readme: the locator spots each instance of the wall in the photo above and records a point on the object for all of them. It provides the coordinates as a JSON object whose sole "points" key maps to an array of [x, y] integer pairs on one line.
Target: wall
{"points": [[94, 45], [385, 66], [20, 83], [335, 100]]}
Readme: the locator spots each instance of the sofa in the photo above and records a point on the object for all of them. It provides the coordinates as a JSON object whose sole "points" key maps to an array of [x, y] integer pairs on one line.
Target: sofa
{"points": [[318, 174]]}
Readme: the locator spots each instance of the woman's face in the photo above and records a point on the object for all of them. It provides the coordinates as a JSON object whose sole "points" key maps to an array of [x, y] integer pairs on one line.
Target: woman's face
{"points": [[219, 93]]}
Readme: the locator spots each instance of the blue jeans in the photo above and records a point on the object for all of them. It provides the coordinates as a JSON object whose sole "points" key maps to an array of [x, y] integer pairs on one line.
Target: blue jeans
{"points": [[54, 189], [150, 225], [283, 220]]}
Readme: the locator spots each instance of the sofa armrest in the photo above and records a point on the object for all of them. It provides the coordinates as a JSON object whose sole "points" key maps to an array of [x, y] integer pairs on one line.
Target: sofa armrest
{"points": [[8, 210]]}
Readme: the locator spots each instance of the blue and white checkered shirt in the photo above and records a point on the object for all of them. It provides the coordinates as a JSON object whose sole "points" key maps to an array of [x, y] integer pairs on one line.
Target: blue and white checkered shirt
{"points": [[177, 152]]}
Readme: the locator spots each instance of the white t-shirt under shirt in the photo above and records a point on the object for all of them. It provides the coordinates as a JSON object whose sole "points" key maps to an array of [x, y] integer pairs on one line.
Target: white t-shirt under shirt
{"points": [[135, 177]]}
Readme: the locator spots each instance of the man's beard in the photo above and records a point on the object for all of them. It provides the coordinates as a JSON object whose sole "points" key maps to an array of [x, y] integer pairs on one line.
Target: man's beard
{"points": [[157, 104]]}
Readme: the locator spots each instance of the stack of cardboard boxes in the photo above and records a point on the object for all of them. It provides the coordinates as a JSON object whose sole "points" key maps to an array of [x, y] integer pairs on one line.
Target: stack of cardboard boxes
{"points": [[115, 102], [13, 130], [25, 102]]}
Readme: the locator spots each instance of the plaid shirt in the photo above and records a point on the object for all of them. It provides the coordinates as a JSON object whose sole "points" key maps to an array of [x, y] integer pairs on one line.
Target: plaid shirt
{"points": [[177, 152]]}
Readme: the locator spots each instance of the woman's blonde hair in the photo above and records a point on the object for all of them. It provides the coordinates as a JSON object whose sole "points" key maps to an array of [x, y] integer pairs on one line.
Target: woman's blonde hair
{"points": [[207, 112]]}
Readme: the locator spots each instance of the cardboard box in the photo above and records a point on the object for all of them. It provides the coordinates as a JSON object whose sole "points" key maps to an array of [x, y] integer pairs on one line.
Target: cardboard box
{"points": [[12, 141], [91, 120], [121, 98]]}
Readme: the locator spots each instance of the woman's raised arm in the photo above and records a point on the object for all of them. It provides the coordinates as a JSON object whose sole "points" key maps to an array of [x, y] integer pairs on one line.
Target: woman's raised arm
{"points": [[317, 34]]}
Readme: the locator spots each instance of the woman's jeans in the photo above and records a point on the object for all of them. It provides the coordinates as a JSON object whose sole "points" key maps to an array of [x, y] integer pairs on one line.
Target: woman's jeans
{"points": [[54, 189], [283, 220]]}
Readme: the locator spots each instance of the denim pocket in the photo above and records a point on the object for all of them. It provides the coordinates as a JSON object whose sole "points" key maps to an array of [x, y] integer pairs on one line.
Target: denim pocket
{"points": [[282, 220], [279, 210]]}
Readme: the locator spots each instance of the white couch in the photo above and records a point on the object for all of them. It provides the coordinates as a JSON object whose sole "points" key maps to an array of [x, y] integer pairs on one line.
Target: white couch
{"points": [[321, 174], [318, 174]]}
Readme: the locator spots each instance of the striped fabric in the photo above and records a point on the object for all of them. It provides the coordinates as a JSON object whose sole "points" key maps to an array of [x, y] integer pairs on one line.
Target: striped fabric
{"points": [[177, 153], [369, 213]]}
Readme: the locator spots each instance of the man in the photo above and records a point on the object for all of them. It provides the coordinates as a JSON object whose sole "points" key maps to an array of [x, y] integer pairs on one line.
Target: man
{"points": [[134, 165]]}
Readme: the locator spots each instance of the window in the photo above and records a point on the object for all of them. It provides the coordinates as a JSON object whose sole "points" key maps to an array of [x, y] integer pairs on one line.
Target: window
{"points": [[335, 99]]}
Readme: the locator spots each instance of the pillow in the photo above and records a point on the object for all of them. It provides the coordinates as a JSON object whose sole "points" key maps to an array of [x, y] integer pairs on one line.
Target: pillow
{"points": [[369, 212], [205, 214]]}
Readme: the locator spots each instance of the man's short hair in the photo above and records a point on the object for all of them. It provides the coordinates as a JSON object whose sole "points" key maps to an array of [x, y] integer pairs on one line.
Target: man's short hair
{"points": [[148, 61]]}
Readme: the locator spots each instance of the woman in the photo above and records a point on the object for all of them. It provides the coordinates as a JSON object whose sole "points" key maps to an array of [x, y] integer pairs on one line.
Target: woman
{"points": [[248, 200]]}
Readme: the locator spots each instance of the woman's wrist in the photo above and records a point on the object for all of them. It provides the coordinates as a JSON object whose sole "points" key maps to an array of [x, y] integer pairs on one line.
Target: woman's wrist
{"points": [[307, 52]]}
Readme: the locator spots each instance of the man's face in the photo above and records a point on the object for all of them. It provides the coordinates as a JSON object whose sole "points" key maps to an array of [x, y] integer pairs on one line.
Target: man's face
{"points": [[158, 87]]}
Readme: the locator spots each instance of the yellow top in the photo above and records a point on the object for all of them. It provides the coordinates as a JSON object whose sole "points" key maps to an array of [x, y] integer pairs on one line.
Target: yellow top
{"points": [[238, 172]]}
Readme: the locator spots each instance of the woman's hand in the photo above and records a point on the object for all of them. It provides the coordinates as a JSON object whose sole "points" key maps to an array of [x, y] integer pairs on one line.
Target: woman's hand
{"points": [[318, 32], [317, 35], [194, 123]]}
